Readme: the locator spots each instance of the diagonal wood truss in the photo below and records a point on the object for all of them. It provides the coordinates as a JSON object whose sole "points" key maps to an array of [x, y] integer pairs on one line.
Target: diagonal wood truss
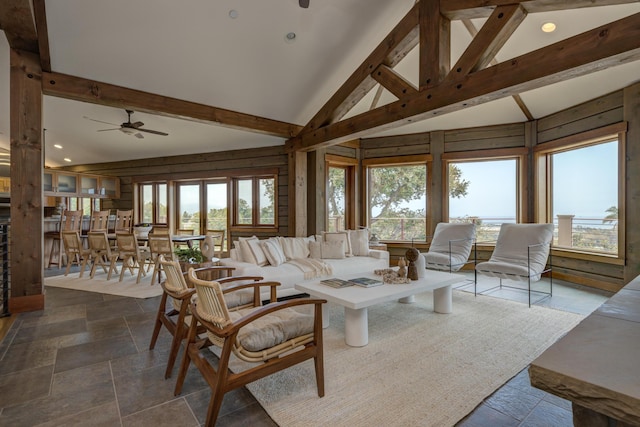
{"points": [[475, 78], [470, 81]]}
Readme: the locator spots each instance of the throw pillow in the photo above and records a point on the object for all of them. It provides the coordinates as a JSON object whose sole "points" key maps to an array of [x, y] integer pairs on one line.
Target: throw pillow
{"points": [[273, 251], [245, 251], [258, 253], [295, 247], [340, 236], [315, 250], [359, 242], [333, 250]]}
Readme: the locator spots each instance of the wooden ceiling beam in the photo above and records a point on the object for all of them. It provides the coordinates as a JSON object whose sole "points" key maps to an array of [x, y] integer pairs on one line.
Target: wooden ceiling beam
{"points": [[435, 44], [17, 21], [396, 45], [470, 9], [43, 34], [392, 81], [79, 89], [612, 44], [487, 43]]}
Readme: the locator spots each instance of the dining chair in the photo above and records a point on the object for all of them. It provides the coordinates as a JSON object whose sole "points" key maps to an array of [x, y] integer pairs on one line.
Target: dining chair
{"points": [[218, 241], [160, 229], [183, 232], [99, 221], [74, 250], [100, 253], [175, 318], [69, 221], [124, 221], [159, 244], [274, 337], [133, 255]]}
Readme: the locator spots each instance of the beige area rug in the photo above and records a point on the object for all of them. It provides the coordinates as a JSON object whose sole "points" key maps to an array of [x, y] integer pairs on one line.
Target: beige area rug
{"points": [[127, 288], [419, 368]]}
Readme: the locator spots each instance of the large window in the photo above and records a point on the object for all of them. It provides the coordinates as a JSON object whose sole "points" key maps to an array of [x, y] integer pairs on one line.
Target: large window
{"points": [[254, 201], [581, 188], [484, 192], [153, 203], [397, 200], [340, 184], [189, 207]]}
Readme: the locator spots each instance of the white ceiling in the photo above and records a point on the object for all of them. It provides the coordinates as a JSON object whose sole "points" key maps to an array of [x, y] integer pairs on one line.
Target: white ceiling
{"points": [[196, 52]]}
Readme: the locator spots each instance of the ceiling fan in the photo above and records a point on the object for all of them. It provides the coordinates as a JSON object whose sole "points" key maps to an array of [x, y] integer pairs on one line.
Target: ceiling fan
{"points": [[303, 3], [129, 128]]}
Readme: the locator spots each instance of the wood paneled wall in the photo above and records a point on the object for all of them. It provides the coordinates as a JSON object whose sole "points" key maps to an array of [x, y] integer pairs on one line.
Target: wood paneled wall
{"points": [[609, 109]]}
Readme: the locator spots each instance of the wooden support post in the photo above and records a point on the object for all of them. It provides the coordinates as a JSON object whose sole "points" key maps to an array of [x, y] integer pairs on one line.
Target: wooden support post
{"points": [[632, 190], [436, 182], [298, 193], [26, 183]]}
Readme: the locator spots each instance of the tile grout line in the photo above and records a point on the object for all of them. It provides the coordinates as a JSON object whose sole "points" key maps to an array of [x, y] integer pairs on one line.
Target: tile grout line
{"points": [[115, 393]]}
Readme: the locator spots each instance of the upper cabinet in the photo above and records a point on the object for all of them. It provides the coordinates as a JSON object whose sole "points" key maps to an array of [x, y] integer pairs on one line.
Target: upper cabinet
{"points": [[69, 184]]}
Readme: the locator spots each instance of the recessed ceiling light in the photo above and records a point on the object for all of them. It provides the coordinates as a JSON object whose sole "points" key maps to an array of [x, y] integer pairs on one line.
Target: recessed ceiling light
{"points": [[66, 159], [290, 37], [58, 146], [233, 14], [548, 27]]}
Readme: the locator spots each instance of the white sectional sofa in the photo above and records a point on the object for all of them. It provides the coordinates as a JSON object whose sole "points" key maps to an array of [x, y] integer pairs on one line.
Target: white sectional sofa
{"points": [[291, 260]]}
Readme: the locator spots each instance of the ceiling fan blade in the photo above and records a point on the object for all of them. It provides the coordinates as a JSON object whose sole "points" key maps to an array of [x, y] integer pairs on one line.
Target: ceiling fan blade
{"points": [[104, 130], [304, 3], [155, 132], [99, 121], [135, 125]]}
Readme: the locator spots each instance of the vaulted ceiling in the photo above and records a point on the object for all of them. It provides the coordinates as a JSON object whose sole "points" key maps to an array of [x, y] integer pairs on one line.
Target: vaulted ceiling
{"points": [[220, 75]]}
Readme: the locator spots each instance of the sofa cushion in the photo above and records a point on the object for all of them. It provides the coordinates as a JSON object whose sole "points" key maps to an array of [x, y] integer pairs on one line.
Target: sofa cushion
{"points": [[273, 251], [295, 247], [257, 252], [340, 236], [327, 250], [359, 242], [244, 251]]}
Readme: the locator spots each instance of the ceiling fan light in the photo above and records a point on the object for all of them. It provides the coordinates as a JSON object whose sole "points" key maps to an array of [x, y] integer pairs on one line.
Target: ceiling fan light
{"points": [[128, 131]]}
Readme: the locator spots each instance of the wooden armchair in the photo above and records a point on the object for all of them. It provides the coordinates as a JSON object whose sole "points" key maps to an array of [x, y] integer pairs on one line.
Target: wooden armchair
{"points": [[74, 250], [249, 334], [176, 288]]}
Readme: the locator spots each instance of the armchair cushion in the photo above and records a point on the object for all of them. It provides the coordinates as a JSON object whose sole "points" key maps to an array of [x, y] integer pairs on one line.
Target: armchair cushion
{"points": [[461, 236], [274, 328], [517, 246]]}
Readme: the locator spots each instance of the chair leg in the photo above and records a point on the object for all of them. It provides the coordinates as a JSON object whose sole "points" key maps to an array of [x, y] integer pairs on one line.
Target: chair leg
{"points": [[178, 336], [156, 329], [220, 381], [190, 346]]}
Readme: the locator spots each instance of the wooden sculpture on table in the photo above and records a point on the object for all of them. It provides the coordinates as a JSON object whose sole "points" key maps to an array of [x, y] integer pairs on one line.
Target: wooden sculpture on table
{"points": [[412, 256]]}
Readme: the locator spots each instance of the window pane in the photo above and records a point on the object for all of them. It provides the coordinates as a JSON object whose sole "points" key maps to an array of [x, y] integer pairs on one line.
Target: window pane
{"points": [[161, 204], [147, 203], [484, 192], [189, 208], [398, 202], [86, 206], [336, 198], [585, 197], [217, 206], [267, 202], [245, 202]]}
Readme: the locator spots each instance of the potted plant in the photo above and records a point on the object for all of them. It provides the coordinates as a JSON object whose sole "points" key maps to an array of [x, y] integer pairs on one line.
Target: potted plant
{"points": [[189, 257]]}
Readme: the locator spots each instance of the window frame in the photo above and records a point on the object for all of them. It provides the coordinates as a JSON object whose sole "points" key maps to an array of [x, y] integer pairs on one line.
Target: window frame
{"points": [[411, 160], [255, 194], [155, 208], [349, 165], [543, 182], [519, 154]]}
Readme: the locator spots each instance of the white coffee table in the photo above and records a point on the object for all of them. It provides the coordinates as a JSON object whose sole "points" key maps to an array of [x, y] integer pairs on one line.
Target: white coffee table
{"points": [[356, 299]]}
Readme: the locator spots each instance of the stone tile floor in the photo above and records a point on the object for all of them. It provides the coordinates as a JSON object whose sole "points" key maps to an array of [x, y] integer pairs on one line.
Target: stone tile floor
{"points": [[84, 360]]}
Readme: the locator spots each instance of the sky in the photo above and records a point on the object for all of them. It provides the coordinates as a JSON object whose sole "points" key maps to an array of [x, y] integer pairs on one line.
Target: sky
{"points": [[585, 183]]}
